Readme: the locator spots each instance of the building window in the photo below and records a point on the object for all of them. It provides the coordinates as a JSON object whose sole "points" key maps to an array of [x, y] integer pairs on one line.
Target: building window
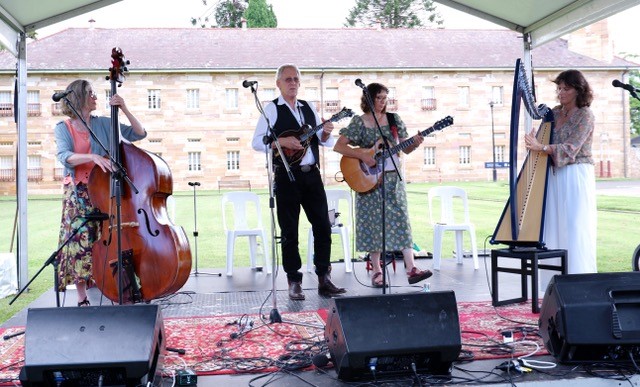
{"points": [[6, 104], [194, 161], [7, 170], [392, 102], [430, 155], [233, 160], [232, 98], [33, 103], [332, 102], [193, 98], [107, 98], [500, 153], [58, 171], [154, 99], [56, 107], [428, 98], [267, 95], [465, 155], [496, 95], [34, 168], [463, 96], [311, 95]]}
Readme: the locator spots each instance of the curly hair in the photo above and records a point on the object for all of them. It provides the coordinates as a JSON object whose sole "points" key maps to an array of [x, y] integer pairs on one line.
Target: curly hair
{"points": [[577, 81], [374, 89]]}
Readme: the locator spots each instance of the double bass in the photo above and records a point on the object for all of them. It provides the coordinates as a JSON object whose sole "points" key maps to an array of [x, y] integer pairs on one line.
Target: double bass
{"points": [[140, 255]]}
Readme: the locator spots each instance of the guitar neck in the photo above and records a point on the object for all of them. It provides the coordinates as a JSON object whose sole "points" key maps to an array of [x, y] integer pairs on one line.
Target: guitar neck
{"points": [[407, 143]]}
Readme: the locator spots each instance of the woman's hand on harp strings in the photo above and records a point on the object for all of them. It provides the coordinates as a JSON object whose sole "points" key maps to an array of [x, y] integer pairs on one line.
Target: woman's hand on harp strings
{"points": [[531, 142]]}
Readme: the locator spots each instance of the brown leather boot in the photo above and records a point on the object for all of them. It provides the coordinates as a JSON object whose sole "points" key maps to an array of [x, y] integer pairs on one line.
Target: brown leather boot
{"points": [[326, 288], [295, 291]]}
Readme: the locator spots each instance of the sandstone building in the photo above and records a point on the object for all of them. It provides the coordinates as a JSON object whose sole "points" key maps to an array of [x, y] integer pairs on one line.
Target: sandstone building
{"points": [[185, 86]]}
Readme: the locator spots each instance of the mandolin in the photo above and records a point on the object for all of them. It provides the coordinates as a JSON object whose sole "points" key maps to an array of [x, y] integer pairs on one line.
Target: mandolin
{"points": [[362, 178], [305, 134]]}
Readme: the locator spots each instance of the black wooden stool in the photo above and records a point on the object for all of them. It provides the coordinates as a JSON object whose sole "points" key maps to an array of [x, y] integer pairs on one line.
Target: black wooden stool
{"points": [[529, 266]]}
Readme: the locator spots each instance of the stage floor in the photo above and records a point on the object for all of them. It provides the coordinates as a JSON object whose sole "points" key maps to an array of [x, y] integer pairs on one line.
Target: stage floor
{"points": [[248, 292]]}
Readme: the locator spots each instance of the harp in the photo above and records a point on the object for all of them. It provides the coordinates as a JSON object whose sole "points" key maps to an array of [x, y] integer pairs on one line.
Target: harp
{"points": [[522, 220]]}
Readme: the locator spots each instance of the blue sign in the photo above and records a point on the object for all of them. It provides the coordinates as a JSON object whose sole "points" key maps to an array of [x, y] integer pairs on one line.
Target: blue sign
{"points": [[499, 164]]}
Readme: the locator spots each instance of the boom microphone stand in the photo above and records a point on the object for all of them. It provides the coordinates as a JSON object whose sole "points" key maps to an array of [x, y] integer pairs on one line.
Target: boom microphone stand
{"points": [[195, 229], [53, 261], [381, 166], [274, 316]]}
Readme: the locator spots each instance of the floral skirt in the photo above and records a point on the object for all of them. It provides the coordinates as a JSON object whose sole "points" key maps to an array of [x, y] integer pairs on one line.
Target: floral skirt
{"points": [[75, 258], [369, 218]]}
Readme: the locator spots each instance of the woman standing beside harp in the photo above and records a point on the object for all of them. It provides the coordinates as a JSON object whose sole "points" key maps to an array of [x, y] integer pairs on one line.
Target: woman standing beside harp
{"points": [[571, 211], [552, 202]]}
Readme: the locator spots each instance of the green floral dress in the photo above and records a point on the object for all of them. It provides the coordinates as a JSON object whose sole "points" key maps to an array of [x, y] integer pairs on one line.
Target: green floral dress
{"points": [[369, 205]]}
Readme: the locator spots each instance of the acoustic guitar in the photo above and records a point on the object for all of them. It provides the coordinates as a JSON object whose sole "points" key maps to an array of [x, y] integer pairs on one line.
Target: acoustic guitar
{"points": [[362, 178], [305, 134]]}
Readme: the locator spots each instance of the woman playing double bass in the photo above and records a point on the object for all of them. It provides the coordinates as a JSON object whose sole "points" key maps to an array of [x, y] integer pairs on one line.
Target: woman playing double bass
{"points": [[79, 153]]}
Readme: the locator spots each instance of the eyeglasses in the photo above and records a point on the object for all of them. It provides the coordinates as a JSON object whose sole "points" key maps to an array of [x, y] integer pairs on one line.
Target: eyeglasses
{"points": [[92, 94], [292, 80]]}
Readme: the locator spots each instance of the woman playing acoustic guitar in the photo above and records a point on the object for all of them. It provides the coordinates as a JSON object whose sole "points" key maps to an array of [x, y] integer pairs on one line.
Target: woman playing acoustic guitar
{"points": [[356, 141]]}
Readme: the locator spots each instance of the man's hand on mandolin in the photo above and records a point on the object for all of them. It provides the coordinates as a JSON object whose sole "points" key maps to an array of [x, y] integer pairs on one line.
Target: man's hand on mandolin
{"points": [[290, 142]]}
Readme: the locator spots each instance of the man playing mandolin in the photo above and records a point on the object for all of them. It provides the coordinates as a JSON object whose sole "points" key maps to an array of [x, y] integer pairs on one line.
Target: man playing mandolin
{"points": [[356, 141], [289, 115]]}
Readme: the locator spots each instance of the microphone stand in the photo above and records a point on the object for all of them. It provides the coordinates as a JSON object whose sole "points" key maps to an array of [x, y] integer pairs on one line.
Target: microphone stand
{"points": [[269, 138], [383, 193], [53, 261], [195, 230], [118, 174]]}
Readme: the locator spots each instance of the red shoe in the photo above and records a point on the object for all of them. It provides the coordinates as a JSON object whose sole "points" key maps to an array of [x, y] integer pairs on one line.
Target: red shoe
{"points": [[415, 275]]}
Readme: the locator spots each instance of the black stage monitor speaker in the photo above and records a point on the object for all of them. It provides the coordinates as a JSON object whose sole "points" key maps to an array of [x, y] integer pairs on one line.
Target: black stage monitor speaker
{"points": [[384, 335], [592, 317], [94, 346]]}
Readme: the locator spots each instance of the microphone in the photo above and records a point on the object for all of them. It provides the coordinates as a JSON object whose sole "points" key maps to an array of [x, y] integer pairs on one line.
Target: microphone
{"points": [[360, 84], [249, 83], [96, 216], [58, 96], [194, 183], [617, 83], [321, 360]]}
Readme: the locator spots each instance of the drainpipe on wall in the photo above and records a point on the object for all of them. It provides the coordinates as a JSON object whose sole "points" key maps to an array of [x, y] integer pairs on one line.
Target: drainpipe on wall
{"points": [[625, 130]]}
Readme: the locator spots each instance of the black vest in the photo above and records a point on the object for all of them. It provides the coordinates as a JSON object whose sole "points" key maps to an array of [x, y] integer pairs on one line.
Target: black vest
{"points": [[287, 121]]}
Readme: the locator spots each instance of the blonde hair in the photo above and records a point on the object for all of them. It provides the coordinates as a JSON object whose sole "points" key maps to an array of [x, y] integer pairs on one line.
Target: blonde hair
{"points": [[78, 97]]}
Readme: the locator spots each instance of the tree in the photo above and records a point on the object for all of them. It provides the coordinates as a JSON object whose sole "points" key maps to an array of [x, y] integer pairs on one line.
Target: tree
{"points": [[393, 14], [226, 13], [259, 14]]}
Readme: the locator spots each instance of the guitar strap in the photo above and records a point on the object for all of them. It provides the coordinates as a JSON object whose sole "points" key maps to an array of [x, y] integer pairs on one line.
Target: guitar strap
{"points": [[391, 118]]}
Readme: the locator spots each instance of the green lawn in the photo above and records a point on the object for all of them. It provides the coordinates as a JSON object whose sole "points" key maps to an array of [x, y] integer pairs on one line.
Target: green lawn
{"points": [[618, 219]]}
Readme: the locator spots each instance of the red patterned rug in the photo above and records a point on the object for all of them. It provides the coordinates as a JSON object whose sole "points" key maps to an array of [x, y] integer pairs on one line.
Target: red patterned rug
{"points": [[241, 344]]}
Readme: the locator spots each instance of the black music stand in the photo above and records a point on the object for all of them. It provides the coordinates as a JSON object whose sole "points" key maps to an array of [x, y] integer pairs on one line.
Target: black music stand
{"points": [[195, 184]]}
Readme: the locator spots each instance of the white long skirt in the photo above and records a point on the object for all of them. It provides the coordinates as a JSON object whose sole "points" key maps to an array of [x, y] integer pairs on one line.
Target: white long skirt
{"points": [[571, 218]]}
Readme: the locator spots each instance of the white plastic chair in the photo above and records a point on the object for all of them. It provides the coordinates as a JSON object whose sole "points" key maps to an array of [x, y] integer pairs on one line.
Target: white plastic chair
{"points": [[341, 227], [246, 205], [458, 221]]}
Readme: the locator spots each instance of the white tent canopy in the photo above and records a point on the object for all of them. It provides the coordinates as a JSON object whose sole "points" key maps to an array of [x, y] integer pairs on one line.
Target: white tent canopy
{"points": [[539, 21]]}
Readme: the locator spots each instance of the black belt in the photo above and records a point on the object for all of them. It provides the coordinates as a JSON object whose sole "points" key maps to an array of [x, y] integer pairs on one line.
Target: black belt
{"points": [[298, 168]]}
